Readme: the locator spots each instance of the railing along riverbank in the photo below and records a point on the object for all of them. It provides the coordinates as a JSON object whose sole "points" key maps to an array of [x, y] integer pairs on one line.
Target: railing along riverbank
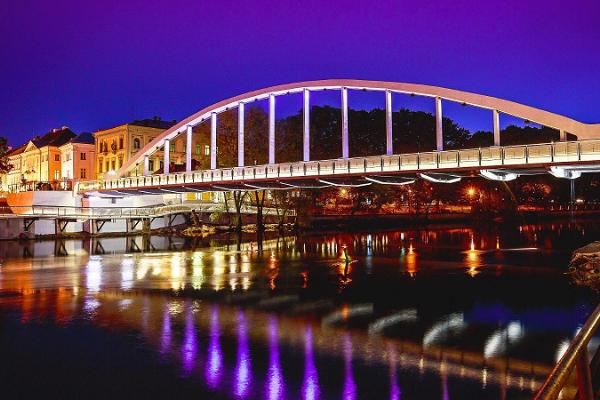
{"points": [[123, 212]]}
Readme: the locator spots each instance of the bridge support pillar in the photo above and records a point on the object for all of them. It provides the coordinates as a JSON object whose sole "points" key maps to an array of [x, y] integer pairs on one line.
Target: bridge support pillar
{"points": [[213, 140], [166, 158], [241, 135], [345, 144], [496, 117], [439, 136], [388, 123], [146, 165], [188, 149], [306, 125], [271, 129]]}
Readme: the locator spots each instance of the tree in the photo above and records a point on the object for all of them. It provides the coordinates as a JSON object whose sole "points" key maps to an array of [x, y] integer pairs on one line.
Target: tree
{"points": [[5, 165]]}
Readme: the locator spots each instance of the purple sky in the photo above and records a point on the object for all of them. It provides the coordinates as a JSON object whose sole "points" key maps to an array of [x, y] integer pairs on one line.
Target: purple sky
{"points": [[90, 65]]}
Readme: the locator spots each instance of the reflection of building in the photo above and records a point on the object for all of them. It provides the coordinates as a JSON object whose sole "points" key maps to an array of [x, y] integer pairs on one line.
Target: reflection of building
{"points": [[78, 157], [39, 160], [114, 146]]}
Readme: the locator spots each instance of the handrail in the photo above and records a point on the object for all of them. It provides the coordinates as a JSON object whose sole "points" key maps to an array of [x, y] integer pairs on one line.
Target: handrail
{"points": [[576, 355], [487, 157], [124, 212]]}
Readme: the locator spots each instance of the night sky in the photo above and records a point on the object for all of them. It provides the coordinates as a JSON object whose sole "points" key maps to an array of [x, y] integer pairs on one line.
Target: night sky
{"points": [[91, 65]]}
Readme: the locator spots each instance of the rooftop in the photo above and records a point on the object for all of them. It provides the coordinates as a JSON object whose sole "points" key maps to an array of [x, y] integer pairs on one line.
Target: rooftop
{"points": [[85, 137], [55, 137], [154, 122]]}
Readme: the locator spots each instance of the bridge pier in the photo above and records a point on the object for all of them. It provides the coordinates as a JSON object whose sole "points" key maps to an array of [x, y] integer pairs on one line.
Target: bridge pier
{"points": [[60, 225], [135, 224]]}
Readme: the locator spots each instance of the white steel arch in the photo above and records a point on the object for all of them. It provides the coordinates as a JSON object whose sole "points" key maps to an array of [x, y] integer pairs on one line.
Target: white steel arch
{"points": [[562, 123]]}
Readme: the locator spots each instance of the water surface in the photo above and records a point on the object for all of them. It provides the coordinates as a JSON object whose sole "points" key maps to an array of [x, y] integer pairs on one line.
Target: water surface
{"points": [[445, 313]]}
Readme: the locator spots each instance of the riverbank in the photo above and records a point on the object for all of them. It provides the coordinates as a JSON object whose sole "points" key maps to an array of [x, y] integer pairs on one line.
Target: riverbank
{"points": [[361, 222]]}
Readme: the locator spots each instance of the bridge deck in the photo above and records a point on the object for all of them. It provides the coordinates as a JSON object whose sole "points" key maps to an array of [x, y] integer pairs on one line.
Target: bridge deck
{"points": [[574, 153]]}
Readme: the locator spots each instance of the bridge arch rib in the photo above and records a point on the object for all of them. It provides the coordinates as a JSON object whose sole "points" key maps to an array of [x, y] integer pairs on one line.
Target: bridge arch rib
{"points": [[496, 105]]}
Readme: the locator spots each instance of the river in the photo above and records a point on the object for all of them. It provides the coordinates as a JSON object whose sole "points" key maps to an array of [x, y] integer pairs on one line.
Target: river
{"points": [[443, 313]]}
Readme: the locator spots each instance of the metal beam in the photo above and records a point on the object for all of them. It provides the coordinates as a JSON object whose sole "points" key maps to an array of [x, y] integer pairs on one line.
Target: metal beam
{"points": [[146, 165], [306, 125], [439, 135], [496, 117], [563, 135], [166, 157], [271, 129], [388, 123], [213, 140], [188, 149], [345, 145], [241, 135]]}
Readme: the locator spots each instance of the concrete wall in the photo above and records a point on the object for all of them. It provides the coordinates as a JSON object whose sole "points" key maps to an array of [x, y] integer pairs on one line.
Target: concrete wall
{"points": [[42, 198]]}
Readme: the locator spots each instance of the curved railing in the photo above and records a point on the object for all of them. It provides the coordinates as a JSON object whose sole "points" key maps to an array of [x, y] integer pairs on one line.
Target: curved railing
{"points": [[487, 157], [577, 357]]}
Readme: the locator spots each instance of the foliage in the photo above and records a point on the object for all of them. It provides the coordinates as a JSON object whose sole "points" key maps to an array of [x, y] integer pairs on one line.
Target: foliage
{"points": [[5, 165]]}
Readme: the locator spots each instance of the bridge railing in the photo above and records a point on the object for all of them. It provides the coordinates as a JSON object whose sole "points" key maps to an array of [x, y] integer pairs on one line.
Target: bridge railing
{"points": [[576, 357], [487, 157], [124, 212]]}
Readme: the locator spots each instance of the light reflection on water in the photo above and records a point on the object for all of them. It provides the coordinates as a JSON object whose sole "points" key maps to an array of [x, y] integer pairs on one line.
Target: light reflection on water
{"points": [[238, 352], [430, 300]]}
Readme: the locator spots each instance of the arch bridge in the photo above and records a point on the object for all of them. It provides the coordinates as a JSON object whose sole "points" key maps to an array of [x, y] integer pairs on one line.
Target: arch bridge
{"points": [[563, 159]]}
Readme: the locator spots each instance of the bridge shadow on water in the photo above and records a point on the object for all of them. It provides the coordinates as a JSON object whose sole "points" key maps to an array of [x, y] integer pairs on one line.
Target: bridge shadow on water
{"points": [[457, 312]]}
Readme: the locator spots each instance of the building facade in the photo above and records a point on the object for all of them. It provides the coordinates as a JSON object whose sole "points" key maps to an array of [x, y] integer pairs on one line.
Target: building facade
{"points": [[78, 158], [39, 160], [114, 146]]}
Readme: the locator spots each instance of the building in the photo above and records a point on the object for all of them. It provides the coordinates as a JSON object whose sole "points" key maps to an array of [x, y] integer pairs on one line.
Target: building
{"points": [[78, 158], [39, 160], [114, 146]]}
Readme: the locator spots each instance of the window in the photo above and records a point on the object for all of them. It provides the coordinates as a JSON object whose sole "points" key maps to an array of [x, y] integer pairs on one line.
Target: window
{"points": [[137, 144], [206, 150], [113, 164], [172, 147], [121, 142], [100, 165], [151, 165], [82, 156], [56, 176], [82, 173], [161, 165], [120, 164], [57, 157], [197, 149], [107, 166]]}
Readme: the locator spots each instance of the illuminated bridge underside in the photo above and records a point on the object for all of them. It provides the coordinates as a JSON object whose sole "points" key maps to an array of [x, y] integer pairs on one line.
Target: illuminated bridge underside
{"points": [[561, 159]]}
